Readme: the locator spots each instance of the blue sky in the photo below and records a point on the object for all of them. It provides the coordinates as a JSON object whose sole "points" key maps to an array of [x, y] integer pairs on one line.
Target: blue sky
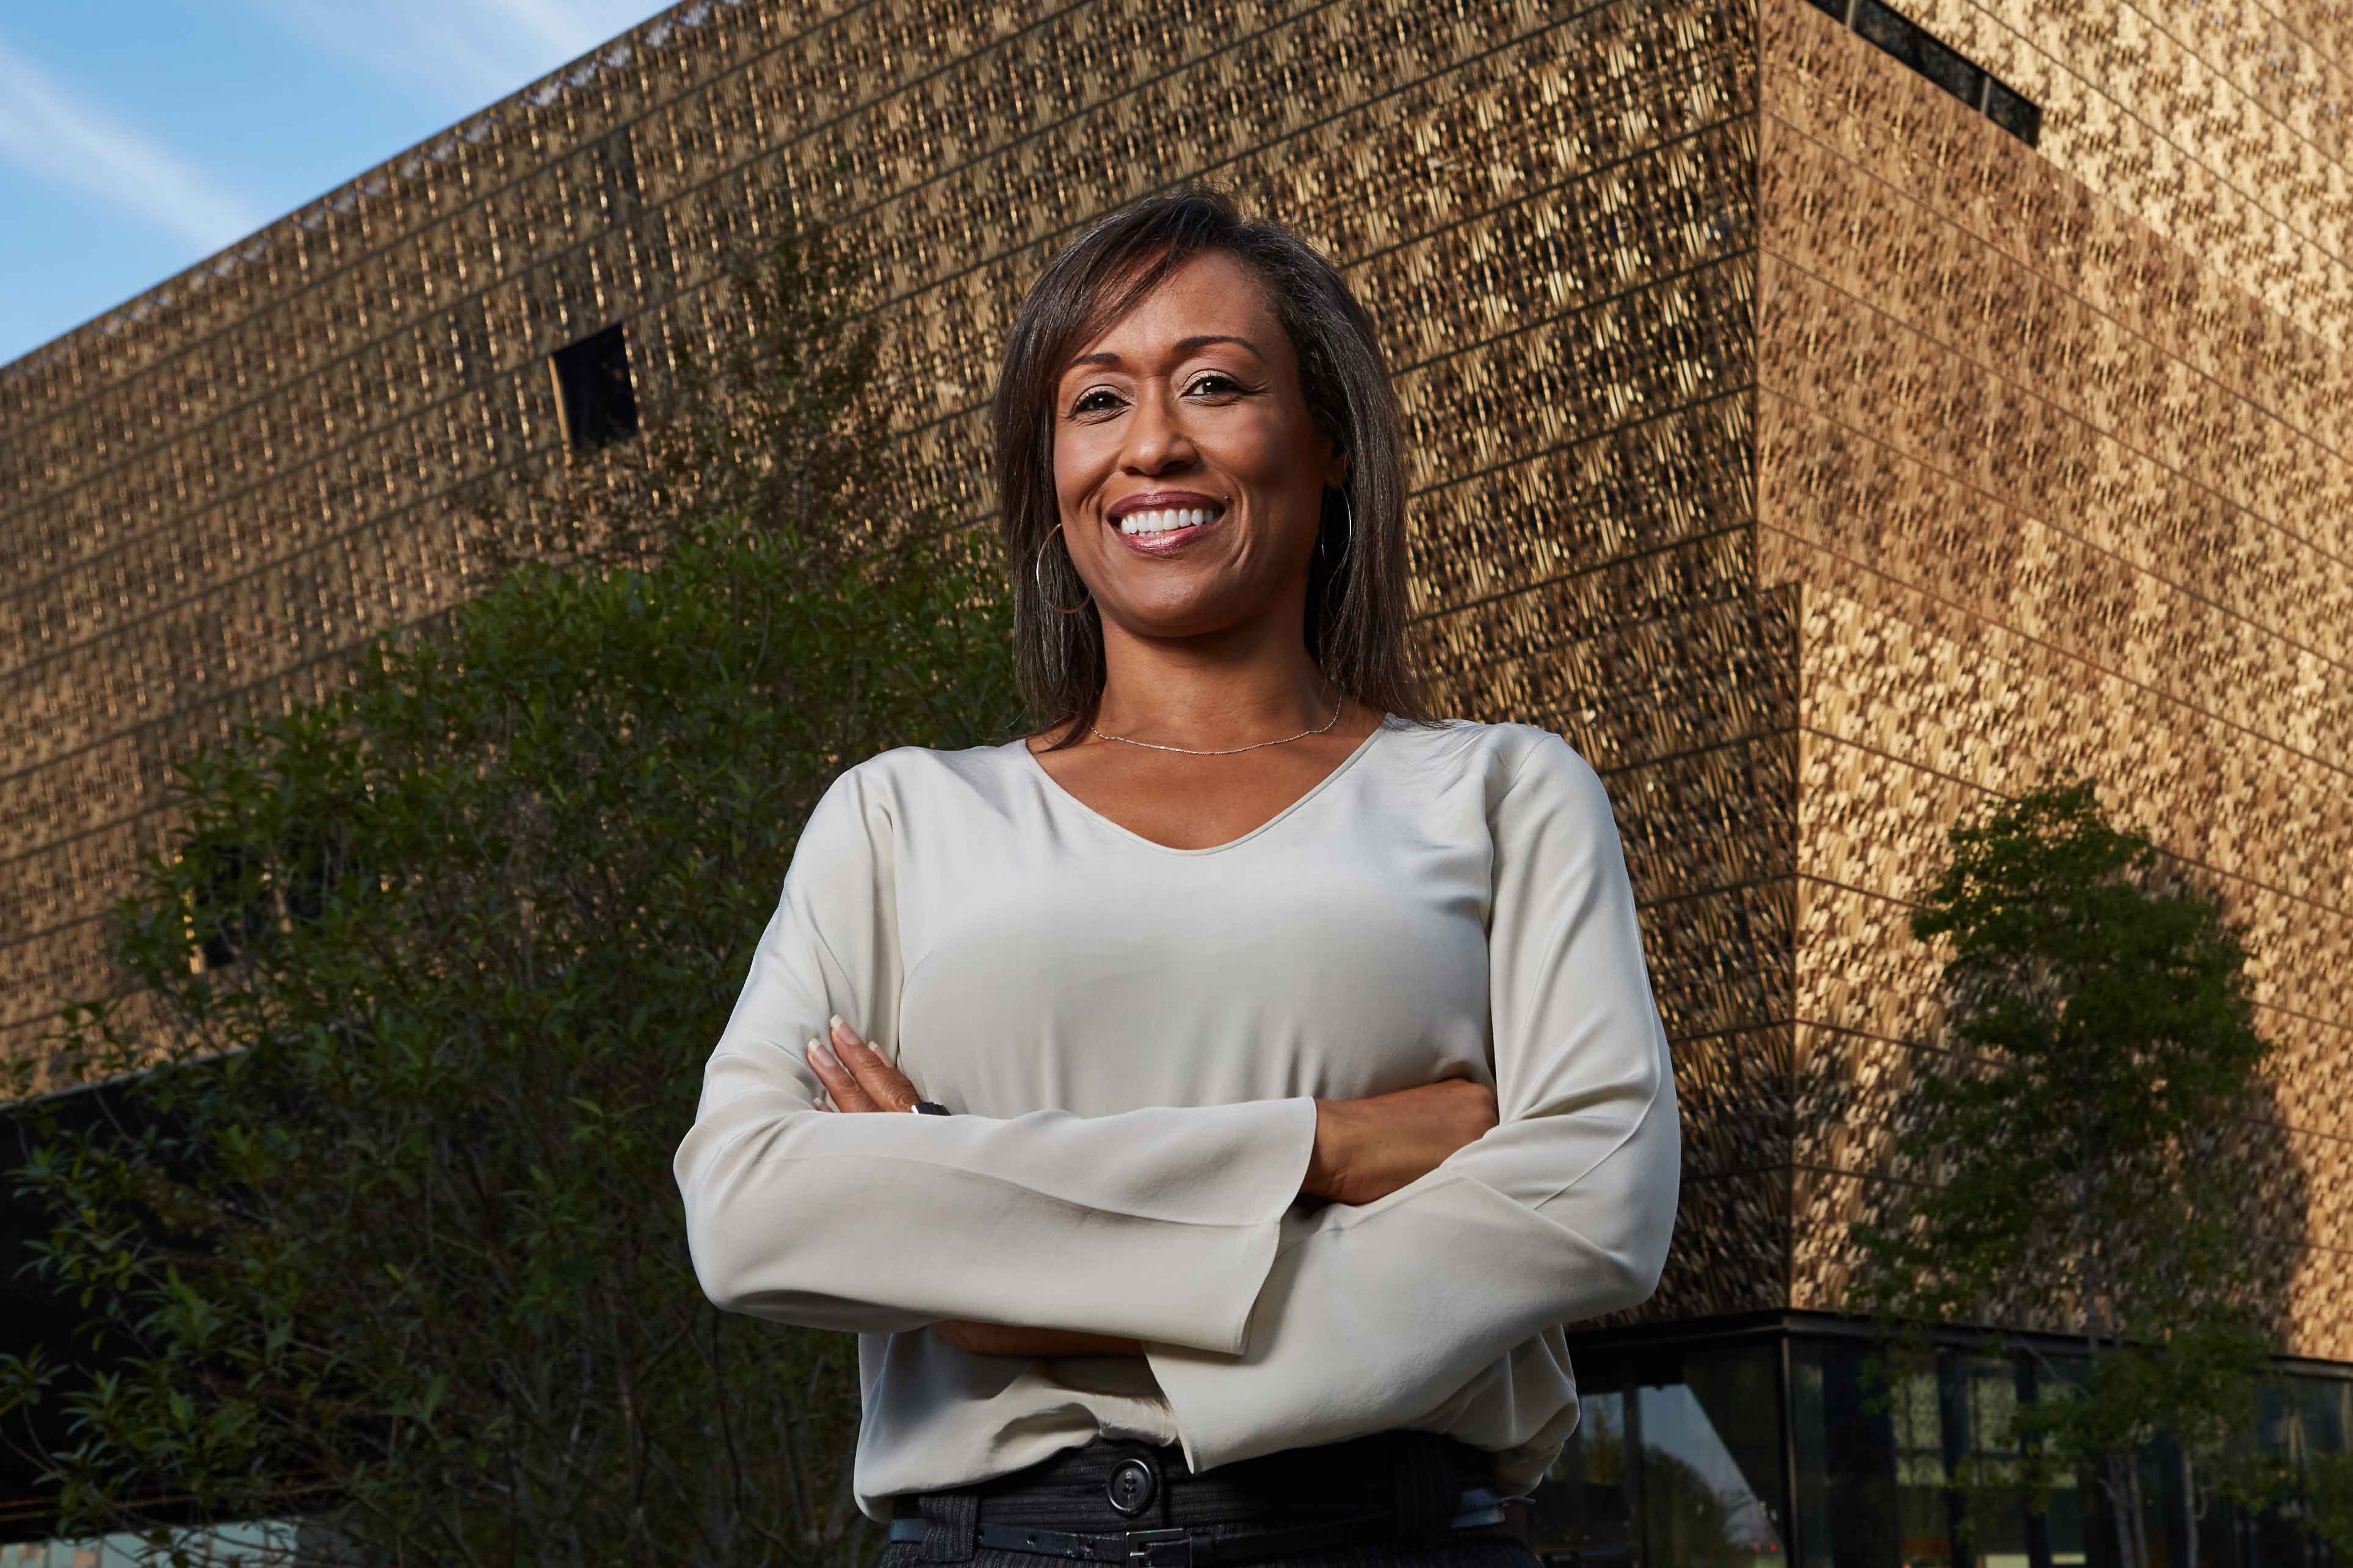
{"points": [[137, 137]]}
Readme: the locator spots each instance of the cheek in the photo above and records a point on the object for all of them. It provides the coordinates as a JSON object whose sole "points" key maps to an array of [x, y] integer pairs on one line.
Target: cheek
{"points": [[1271, 452], [1080, 464]]}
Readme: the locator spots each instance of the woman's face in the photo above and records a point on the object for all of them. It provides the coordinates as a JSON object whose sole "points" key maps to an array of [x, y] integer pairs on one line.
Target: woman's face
{"points": [[1190, 474]]}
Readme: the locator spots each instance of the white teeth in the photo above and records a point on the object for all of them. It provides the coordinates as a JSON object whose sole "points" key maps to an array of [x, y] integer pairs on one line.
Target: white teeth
{"points": [[1162, 521]]}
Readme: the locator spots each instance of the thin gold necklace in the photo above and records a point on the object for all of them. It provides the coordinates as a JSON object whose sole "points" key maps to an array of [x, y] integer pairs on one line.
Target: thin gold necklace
{"points": [[1229, 750]]}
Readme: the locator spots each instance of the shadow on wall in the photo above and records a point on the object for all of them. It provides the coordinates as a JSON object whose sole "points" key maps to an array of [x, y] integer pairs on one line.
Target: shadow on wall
{"points": [[2264, 1185], [1946, 1418]]}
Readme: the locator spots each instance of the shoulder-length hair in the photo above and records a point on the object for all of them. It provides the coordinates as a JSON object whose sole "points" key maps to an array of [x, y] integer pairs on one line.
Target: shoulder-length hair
{"points": [[1356, 585]]}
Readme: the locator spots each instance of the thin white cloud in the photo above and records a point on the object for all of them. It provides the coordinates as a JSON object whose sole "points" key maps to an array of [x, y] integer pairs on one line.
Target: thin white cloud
{"points": [[464, 52], [562, 31], [47, 131], [423, 44]]}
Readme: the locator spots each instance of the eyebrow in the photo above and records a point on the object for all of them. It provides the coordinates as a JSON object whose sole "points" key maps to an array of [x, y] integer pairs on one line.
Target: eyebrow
{"points": [[1184, 346]]}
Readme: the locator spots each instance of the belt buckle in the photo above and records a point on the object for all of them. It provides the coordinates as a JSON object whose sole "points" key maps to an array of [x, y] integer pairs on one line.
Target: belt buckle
{"points": [[1164, 1548]]}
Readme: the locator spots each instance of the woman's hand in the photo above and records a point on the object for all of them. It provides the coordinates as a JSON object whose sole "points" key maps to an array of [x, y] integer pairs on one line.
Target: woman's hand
{"points": [[1366, 1148], [857, 1076], [859, 1079]]}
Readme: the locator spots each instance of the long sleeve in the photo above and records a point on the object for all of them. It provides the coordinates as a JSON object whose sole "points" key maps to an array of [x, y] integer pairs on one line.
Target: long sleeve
{"points": [[1377, 1314], [1155, 1224]]}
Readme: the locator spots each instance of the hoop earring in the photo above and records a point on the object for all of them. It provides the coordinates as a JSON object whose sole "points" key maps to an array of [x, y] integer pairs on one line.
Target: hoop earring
{"points": [[1038, 572], [1349, 532]]}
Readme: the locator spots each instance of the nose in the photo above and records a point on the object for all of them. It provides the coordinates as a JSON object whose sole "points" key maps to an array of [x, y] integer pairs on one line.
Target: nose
{"points": [[1155, 439]]}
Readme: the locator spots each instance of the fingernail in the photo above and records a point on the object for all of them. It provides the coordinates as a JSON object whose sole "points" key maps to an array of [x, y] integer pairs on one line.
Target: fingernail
{"points": [[824, 1056], [841, 1027]]}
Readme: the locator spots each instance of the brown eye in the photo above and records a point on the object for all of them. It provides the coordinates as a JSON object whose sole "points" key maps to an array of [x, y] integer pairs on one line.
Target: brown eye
{"points": [[1095, 401]]}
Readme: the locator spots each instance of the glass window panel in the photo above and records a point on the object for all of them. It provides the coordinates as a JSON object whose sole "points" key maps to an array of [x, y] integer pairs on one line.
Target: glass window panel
{"points": [[2160, 1484], [1709, 1427], [2265, 1538], [1917, 1432], [1584, 1505], [1813, 1484], [1846, 1458], [2066, 1527], [1985, 1391], [2322, 1428], [2078, 1512], [2328, 1404]]}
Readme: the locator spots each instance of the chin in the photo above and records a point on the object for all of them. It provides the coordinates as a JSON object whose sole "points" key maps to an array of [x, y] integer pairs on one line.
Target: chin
{"points": [[1181, 615], [1169, 627]]}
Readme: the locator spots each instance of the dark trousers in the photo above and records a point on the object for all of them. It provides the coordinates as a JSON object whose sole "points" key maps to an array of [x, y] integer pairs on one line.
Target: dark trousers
{"points": [[1411, 1484]]}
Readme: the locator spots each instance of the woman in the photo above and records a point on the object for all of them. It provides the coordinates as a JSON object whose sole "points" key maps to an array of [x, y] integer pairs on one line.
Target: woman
{"points": [[1302, 1070]]}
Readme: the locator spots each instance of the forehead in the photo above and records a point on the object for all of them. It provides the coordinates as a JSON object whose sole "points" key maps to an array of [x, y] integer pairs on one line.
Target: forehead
{"points": [[1211, 294]]}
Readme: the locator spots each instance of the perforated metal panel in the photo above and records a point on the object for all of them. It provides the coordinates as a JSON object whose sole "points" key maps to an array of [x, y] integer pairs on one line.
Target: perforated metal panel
{"points": [[2052, 445]]}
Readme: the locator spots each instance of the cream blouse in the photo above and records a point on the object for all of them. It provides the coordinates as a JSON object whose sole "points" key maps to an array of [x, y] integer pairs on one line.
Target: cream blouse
{"points": [[1132, 1037]]}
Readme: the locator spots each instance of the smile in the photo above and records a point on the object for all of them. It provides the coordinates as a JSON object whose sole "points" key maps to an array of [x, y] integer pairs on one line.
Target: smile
{"points": [[1163, 522], [1167, 520]]}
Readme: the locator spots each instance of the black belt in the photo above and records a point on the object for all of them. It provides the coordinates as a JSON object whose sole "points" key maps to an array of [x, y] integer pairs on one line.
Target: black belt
{"points": [[1172, 1546], [1418, 1477], [1176, 1548]]}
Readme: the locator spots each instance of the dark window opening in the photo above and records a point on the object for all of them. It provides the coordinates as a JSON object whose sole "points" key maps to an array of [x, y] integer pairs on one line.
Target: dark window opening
{"points": [[1948, 71], [592, 392], [2018, 115], [1964, 79]]}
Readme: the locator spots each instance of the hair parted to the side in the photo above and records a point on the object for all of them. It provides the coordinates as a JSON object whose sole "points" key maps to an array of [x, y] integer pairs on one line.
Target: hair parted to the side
{"points": [[1356, 585]]}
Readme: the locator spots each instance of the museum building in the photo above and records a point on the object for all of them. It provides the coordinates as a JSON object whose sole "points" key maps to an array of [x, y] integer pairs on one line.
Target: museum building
{"points": [[1823, 414]]}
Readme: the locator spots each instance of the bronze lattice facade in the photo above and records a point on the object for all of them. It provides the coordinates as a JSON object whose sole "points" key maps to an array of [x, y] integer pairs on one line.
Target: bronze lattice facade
{"points": [[2054, 443], [1813, 451]]}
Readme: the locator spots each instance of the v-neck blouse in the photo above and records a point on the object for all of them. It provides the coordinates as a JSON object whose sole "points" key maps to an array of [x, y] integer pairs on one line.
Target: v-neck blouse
{"points": [[1132, 1037], [1314, 790]]}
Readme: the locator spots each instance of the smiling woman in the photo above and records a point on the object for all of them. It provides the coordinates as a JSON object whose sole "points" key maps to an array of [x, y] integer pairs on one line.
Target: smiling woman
{"points": [[1269, 371], [1303, 1072]]}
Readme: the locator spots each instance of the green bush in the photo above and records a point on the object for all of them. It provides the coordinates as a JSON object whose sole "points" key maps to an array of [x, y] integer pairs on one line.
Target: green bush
{"points": [[397, 1247]]}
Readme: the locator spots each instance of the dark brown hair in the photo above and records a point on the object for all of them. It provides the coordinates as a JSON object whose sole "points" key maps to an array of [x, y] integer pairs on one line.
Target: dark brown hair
{"points": [[1356, 583]]}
